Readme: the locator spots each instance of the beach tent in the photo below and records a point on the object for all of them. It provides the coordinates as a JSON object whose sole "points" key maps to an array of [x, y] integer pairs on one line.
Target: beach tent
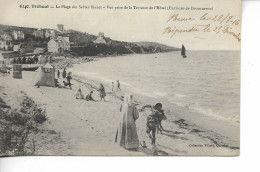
{"points": [[45, 76], [2, 64]]}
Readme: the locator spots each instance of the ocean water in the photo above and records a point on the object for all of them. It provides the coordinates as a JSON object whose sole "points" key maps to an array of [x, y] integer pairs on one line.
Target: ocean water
{"points": [[206, 82]]}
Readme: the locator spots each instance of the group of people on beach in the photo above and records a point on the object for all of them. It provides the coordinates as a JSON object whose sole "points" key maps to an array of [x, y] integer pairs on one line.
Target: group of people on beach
{"points": [[80, 95], [118, 86], [66, 76], [24, 60], [102, 94], [126, 135]]}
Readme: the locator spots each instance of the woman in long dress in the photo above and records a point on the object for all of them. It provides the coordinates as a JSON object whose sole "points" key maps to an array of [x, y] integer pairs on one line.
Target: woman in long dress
{"points": [[126, 135], [64, 73], [102, 92]]}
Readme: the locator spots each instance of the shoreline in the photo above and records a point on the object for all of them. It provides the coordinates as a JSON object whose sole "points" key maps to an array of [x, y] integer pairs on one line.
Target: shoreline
{"points": [[222, 128], [172, 118], [85, 127]]}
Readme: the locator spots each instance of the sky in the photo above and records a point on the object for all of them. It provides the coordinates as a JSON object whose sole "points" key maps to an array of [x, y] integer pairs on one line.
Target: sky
{"points": [[130, 25]]}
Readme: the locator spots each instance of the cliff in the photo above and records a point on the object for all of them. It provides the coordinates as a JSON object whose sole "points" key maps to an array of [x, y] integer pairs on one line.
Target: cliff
{"points": [[82, 44]]}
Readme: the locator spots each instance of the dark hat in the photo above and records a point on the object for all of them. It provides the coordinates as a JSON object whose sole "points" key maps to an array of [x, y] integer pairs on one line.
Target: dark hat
{"points": [[158, 105]]}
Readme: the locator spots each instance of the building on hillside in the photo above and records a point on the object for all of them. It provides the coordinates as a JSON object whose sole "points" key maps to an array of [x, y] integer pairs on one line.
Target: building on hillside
{"points": [[53, 46], [60, 27], [17, 35], [59, 45], [39, 50], [16, 47], [100, 39], [65, 41], [50, 34], [38, 33], [3, 45], [6, 36]]}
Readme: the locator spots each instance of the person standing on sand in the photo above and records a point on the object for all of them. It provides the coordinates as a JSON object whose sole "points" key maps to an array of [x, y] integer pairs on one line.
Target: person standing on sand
{"points": [[118, 85], [58, 74], [69, 77], [126, 135], [113, 87], [64, 74], [102, 92], [154, 122]]}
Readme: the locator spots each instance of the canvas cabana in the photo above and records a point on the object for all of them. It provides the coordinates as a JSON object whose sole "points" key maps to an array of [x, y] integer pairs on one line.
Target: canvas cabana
{"points": [[45, 76]]}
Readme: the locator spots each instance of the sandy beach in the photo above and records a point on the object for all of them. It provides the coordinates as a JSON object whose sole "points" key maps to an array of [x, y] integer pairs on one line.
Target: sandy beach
{"points": [[88, 128]]}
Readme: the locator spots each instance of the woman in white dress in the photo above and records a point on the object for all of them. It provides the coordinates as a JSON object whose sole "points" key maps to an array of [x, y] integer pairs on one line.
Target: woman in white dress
{"points": [[126, 135]]}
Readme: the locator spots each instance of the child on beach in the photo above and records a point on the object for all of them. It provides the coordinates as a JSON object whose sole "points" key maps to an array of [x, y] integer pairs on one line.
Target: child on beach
{"points": [[89, 97], [118, 85], [79, 94], [67, 84], [151, 124], [161, 116], [153, 121], [69, 77], [58, 74], [57, 83], [113, 87], [102, 92]]}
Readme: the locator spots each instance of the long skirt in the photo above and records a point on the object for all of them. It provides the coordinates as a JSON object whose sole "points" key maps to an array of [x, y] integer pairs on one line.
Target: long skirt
{"points": [[126, 135]]}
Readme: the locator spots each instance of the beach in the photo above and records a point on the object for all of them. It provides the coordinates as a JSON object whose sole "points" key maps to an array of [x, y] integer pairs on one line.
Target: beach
{"points": [[88, 128]]}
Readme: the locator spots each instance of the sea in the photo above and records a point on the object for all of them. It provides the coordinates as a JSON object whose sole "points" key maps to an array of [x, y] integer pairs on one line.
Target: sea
{"points": [[206, 84]]}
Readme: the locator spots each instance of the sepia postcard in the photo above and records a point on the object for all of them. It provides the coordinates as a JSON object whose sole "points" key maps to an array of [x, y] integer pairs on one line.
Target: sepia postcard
{"points": [[120, 78]]}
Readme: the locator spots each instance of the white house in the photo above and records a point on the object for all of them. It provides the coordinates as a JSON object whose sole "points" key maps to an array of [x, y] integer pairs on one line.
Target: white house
{"points": [[50, 34], [59, 45], [6, 36], [18, 35], [53, 46], [38, 33], [38, 50], [100, 39], [17, 47], [3, 45], [65, 41]]}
